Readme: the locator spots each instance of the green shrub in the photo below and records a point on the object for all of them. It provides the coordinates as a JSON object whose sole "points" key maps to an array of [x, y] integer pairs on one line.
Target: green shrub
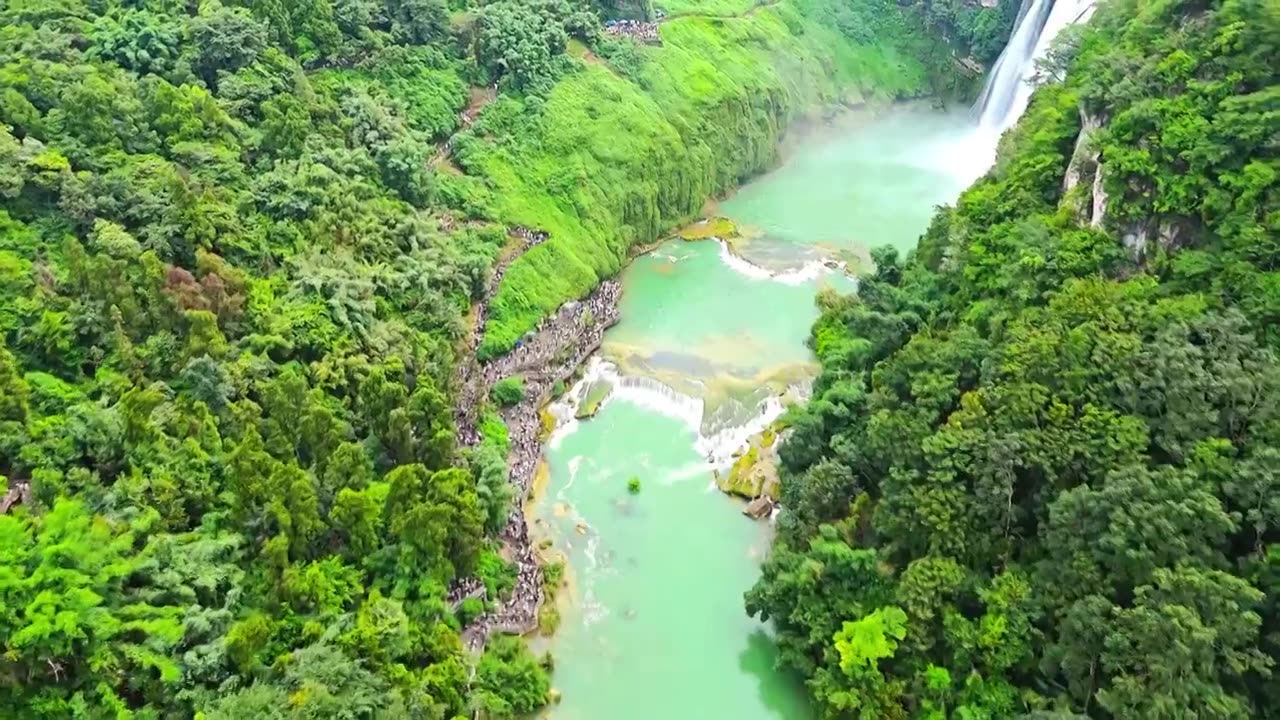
{"points": [[508, 391], [548, 619], [552, 575], [469, 610]]}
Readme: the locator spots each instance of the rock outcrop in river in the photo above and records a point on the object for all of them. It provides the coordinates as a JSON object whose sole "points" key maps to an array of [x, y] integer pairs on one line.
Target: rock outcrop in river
{"points": [[754, 475]]}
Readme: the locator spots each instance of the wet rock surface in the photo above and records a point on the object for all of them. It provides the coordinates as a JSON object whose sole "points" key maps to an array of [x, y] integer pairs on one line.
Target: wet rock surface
{"points": [[754, 472]]}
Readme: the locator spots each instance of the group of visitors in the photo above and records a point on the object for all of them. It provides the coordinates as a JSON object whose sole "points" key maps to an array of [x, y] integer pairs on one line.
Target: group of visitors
{"points": [[549, 354], [638, 30], [552, 353], [471, 392], [465, 589]]}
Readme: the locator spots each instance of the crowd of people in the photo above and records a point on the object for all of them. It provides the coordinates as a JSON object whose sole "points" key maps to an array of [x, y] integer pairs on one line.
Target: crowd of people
{"points": [[471, 389], [549, 354], [465, 589], [638, 30]]}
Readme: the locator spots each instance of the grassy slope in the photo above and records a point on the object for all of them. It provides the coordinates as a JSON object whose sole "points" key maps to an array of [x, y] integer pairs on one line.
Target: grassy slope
{"points": [[723, 8], [609, 161]]}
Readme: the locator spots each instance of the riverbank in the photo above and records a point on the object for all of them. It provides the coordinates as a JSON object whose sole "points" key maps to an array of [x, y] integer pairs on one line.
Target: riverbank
{"points": [[659, 575], [552, 353], [547, 357], [618, 154]]}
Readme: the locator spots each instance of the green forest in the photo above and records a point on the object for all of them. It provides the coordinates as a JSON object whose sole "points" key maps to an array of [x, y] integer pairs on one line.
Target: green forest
{"points": [[1040, 475], [239, 242]]}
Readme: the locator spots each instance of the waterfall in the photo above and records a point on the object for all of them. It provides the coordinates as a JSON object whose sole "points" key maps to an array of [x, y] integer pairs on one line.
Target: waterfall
{"points": [[719, 447], [661, 398], [1008, 87], [720, 443]]}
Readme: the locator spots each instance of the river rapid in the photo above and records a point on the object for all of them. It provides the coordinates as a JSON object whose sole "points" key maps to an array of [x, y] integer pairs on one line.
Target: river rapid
{"points": [[709, 348]]}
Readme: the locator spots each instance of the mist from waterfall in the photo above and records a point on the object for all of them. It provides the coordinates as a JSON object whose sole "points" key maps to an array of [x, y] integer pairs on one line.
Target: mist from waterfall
{"points": [[1008, 88]]}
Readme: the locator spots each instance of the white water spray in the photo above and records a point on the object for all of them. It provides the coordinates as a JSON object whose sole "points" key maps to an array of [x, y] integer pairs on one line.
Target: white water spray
{"points": [[660, 398], [810, 271], [1008, 88], [718, 447]]}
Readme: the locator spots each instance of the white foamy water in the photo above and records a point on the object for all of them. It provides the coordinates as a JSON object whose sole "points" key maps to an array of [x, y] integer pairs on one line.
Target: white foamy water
{"points": [[660, 398], [808, 272], [575, 464], [720, 446], [687, 472], [717, 447], [564, 408], [1009, 86]]}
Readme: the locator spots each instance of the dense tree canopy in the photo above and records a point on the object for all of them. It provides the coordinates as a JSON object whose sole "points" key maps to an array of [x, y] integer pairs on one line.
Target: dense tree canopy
{"points": [[237, 252], [1038, 477], [230, 299]]}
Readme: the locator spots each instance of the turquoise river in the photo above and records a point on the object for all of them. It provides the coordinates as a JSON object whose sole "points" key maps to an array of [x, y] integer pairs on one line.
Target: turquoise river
{"points": [[710, 345]]}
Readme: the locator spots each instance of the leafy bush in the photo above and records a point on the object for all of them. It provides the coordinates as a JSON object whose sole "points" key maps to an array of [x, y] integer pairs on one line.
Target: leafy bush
{"points": [[469, 610], [508, 391], [552, 576], [509, 681]]}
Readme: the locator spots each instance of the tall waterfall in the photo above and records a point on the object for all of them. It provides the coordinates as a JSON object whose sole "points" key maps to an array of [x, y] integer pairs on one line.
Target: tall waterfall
{"points": [[1008, 87]]}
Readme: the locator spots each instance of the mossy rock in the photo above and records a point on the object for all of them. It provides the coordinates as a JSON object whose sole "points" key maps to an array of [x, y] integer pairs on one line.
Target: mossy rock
{"points": [[548, 423], [548, 620], [717, 227], [772, 485], [596, 395], [742, 480], [754, 471]]}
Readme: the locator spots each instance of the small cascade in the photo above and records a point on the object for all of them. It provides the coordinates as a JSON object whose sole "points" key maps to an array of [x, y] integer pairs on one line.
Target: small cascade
{"points": [[1008, 88], [731, 426], [807, 272], [640, 391], [660, 398], [720, 446]]}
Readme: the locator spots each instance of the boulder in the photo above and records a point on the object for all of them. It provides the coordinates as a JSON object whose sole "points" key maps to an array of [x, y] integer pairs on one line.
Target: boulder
{"points": [[744, 478], [970, 65], [595, 396], [761, 507], [716, 227]]}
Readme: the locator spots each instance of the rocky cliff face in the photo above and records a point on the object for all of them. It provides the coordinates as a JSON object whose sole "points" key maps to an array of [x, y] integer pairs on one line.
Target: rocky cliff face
{"points": [[1085, 194]]}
